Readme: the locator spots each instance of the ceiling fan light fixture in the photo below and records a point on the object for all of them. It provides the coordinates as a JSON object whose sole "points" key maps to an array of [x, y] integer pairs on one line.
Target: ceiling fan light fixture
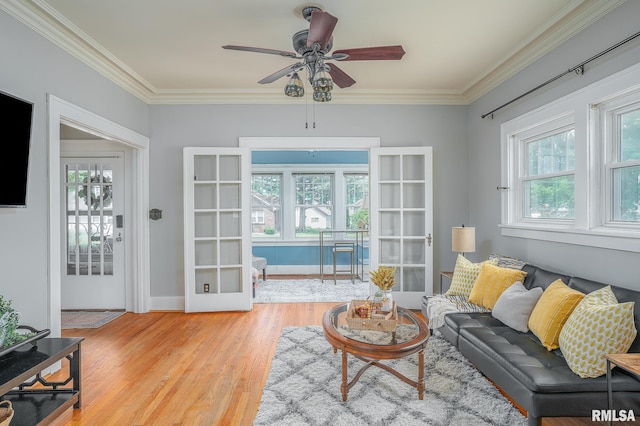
{"points": [[294, 87], [322, 80], [321, 96]]}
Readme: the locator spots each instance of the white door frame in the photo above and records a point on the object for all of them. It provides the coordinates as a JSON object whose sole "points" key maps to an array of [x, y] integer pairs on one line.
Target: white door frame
{"points": [[63, 112]]}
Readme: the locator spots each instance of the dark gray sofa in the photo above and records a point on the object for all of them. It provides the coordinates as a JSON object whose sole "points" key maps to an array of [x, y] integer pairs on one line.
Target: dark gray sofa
{"points": [[540, 381]]}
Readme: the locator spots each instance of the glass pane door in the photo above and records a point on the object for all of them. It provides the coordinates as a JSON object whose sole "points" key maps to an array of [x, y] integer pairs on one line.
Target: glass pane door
{"points": [[93, 267], [217, 229], [401, 219]]}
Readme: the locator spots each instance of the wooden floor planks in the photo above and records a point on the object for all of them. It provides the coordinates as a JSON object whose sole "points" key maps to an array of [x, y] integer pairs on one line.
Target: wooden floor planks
{"points": [[172, 368]]}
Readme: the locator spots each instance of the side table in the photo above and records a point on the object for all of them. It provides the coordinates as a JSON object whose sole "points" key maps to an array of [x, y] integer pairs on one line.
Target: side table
{"points": [[35, 399], [445, 274], [629, 362]]}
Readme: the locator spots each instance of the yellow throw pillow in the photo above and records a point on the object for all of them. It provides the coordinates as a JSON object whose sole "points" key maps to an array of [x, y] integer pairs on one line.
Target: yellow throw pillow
{"points": [[552, 311], [465, 274], [599, 325], [491, 282]]}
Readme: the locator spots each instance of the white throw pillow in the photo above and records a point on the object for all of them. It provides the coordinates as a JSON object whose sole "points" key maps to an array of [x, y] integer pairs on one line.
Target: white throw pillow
{"points": [[515, 304]]}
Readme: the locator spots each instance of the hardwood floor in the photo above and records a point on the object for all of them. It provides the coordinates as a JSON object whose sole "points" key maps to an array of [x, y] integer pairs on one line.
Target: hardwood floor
{"points": [[172, 368]]}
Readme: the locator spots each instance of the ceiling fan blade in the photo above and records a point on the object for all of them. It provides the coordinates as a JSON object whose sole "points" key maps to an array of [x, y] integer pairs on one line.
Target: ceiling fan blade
{"points": [[261, 50], [279, 74], [379, 53], [320, 28], [339, 77]]}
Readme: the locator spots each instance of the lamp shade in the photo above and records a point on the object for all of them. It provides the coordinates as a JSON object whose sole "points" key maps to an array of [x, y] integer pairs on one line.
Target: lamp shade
{"points": [[463, 239]]}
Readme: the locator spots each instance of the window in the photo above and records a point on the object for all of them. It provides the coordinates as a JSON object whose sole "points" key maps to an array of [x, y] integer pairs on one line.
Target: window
{"points": [[257, 217], [357, 200], [296, 203], [571, 169], [314, 203], [547, 180], [623, 165], [266, 205]]}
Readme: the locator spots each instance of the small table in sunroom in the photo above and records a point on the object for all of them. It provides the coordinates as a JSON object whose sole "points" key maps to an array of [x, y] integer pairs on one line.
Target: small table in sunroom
{"points": [[387, 345]]}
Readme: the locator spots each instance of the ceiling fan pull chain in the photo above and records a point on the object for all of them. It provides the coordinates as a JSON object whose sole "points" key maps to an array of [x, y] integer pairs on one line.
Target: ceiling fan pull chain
{"points": [[306, 106]]}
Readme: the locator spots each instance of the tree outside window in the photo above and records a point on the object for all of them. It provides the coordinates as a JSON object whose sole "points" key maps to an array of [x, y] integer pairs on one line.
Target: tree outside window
{"points": [[266, 205], [548, 185], [314, 204], [357, 200], [625, 169]]}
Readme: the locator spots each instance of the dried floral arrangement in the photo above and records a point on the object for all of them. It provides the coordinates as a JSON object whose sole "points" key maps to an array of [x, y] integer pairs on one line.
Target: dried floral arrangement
{"points": [[384, 277]]}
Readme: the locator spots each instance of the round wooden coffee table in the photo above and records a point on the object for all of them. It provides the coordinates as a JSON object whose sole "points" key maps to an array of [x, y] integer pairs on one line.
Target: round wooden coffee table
{"points": [[372, 346]]}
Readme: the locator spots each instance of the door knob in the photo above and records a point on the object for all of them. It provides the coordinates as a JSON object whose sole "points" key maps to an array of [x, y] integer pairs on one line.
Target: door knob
{"points": [[429, 239]]}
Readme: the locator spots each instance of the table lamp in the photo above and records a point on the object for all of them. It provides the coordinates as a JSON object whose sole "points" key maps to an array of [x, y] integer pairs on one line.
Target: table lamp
{"points": [[463, 239]]}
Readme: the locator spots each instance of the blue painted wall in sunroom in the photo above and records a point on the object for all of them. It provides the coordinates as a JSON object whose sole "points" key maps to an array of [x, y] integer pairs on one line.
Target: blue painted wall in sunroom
{"points": [[282, 254]]}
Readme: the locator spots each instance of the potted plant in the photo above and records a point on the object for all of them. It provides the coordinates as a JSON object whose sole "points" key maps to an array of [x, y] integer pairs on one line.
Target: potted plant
{"points": [[9, 321]]}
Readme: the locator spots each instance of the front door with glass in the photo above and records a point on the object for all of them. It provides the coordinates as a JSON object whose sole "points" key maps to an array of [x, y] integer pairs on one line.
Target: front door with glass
{"points": [[93, 273]]}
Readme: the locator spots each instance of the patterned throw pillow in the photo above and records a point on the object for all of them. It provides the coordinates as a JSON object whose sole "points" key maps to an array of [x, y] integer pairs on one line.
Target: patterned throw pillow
{"points": [[465, 274], [506, 261], [599, 325], [552, 311], [492, 282]]}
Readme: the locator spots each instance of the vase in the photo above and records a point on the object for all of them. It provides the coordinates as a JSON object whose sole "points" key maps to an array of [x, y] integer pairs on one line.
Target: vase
{"points": [[386, 300]]}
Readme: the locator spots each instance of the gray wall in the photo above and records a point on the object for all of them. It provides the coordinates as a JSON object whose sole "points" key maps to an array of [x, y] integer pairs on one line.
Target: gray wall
{"points": [[612, 266], [176, 126], [465, 148], [30, 68]]}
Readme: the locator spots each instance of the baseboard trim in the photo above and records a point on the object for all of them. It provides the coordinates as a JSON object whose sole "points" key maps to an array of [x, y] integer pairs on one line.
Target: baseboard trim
{"points": [[167, 303]]}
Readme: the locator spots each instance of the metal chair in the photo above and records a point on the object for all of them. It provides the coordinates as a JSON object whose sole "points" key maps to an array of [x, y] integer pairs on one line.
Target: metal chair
{"points": [[343, 247]]}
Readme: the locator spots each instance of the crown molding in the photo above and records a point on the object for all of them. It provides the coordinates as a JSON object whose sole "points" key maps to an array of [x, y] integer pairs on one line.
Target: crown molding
{"points": [[276, 97], [46, 21], [558, 30]]}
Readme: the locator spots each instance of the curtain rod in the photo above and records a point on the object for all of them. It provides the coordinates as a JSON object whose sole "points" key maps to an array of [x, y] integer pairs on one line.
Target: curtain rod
{"points": [[578, 69]]}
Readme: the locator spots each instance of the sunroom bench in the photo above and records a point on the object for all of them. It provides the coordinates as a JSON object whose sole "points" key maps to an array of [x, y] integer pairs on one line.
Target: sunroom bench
{"points": [[538, 380]]}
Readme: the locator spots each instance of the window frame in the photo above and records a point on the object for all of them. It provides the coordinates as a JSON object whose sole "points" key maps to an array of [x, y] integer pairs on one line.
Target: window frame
{"points": [[587, 109], [288, 232], [522, 141], [608, 117], [279, 206]]}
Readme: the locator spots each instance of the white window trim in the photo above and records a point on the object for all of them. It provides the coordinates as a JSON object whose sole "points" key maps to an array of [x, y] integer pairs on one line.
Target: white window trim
{"points": [[589, 227], [287, 171]]}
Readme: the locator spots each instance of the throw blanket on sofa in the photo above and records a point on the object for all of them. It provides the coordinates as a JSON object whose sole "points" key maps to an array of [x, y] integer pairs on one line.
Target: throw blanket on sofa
{"points": [[440, 305]]}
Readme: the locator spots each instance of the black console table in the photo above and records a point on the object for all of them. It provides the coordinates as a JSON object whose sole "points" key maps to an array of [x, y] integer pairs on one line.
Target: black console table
{"points": [[37, 401]]}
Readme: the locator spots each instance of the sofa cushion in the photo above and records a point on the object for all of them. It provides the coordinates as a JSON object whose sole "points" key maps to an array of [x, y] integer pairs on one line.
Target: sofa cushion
{"points": [[552, 311], [599, 325], [506, 351], [538, 277], [491, 282], [515, 304]]}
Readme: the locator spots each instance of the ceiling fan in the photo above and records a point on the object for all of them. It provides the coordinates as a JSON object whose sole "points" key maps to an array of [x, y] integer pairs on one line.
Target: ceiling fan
{"points": [[313, 47]]}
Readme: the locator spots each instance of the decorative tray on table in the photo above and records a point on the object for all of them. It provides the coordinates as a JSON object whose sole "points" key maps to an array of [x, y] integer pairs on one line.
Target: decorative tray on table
{"points": [[366, 315]]}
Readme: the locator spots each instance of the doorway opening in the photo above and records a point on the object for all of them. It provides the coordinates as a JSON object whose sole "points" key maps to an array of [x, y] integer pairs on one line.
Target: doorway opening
{"points": [[303, 188], [60, 113]]}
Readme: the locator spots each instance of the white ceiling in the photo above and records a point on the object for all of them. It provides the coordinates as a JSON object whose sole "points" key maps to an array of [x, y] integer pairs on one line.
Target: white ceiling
{"points": [[169, 51]]}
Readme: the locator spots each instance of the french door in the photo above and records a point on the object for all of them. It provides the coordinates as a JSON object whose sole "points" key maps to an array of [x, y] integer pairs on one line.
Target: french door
{"points": [[93, 269], [217, 229], [401, 219]]}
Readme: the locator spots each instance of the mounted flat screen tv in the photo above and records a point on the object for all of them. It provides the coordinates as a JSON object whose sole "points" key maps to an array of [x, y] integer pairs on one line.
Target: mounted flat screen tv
{"points": [[15, 136]]}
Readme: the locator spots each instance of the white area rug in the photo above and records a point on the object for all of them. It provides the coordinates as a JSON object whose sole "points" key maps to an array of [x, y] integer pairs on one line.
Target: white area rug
{"points": [[303, 388], [282, 291]]}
